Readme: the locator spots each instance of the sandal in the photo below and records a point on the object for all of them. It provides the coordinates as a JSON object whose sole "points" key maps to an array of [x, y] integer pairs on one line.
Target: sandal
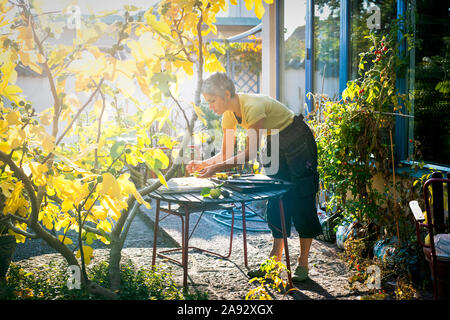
{"points": [[300, 274]]}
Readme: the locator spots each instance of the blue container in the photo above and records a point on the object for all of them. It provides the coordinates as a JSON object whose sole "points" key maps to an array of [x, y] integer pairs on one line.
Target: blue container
{"points": [[385, 251], [327, 221], [344, 231]]}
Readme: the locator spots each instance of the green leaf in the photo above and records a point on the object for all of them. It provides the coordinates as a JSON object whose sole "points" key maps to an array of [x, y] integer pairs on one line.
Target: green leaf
{"points": [[117, 149], [162, 80], [90, 237]]}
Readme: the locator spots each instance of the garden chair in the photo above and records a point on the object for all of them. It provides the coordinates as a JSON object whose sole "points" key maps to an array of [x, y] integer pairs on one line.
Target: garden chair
{"points": [[436, 222]]}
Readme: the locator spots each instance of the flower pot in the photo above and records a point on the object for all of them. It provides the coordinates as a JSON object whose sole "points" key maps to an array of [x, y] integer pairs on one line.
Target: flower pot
{"points": [[7, 248]]}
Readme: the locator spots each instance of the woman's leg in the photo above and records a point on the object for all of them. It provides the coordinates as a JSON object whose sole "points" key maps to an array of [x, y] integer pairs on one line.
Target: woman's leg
{"points": [[277, 249], [305, 246]]}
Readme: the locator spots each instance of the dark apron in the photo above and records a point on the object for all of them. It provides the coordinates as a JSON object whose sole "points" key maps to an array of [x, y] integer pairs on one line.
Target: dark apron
{"points": [[297, 164], [298, 151]]}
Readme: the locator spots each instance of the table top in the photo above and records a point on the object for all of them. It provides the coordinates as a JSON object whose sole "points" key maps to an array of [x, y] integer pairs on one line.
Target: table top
{"points": [[195, 199]]}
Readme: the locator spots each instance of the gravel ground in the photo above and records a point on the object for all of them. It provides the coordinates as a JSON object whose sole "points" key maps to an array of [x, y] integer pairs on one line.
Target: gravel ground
{"points": [[222, 279]]}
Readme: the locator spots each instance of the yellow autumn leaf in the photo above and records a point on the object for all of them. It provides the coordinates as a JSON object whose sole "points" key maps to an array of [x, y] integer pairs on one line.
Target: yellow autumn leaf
{"points": [[107, 203], [63, 223], [145, 48], [87, 253], [5, 147], [11, 92], [6, 188], [31, 60], [109, 186], [99, 212], [67, 204], [159, 26], [162, 180], [87, 66], [167, 141], [249, 4], [19, 238], [38, 170], [218, 47], [128, 187], [200, 114], [3, 126], [259, 9], [48, 143], [86, 36], [212, 64], [16, 200], [64, 240], [46, 118], [162, 116], [187, 66], [8, 70], [16, 137], [127, 68], [25, 36], [58, 55], [104, 225], [13, 118], [161, 156]]}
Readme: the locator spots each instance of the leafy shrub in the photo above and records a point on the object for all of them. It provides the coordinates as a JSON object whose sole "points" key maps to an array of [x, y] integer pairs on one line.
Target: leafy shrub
{"points": [[355, 142], [50, 283]]}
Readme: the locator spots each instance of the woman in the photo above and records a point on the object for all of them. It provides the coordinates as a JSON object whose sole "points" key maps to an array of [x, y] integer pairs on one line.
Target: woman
{"points": [[297, 160]]}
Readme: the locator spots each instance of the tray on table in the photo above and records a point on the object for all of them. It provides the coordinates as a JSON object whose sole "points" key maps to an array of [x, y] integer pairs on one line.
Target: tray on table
{"points": [[253, 183]]}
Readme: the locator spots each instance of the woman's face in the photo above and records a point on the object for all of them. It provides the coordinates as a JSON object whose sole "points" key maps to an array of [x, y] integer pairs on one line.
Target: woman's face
{"points": [[217, 104]]}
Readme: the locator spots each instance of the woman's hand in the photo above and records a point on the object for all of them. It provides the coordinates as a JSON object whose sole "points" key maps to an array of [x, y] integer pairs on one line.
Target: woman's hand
{"points": [[209, 171], [195, 165]]}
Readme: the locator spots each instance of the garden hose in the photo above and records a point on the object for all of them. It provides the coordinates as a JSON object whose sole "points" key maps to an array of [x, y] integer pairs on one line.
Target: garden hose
{"points": [[219, 217]]}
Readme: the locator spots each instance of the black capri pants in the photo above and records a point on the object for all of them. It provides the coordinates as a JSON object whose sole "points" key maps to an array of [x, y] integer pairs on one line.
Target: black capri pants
{"points": [[297, 164]]}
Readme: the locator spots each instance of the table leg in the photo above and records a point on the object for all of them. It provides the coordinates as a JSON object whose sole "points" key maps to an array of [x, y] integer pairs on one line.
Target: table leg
{"points": [[155, 233], [231, 234], [244, 231], [286, 248], [185, 246]]}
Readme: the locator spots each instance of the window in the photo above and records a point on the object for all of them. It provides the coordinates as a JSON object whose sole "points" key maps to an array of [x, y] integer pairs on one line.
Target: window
{"points": [[360, 17], [326, 48], [430, 82], [424, 134], [293, 56]]}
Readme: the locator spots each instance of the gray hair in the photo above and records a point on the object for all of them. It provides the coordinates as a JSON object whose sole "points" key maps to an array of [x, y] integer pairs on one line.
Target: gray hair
{"points": [[218, 84]]}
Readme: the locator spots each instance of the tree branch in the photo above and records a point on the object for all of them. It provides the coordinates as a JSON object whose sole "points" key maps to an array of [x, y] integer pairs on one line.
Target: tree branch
{"points": [[200, 61], [99, 129], [18, 172], [57, 105], [70, 125], [182, 111], [12, 227]]}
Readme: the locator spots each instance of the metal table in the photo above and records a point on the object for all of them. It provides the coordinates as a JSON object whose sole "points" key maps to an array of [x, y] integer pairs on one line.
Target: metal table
{"points": [[185, 203]]}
